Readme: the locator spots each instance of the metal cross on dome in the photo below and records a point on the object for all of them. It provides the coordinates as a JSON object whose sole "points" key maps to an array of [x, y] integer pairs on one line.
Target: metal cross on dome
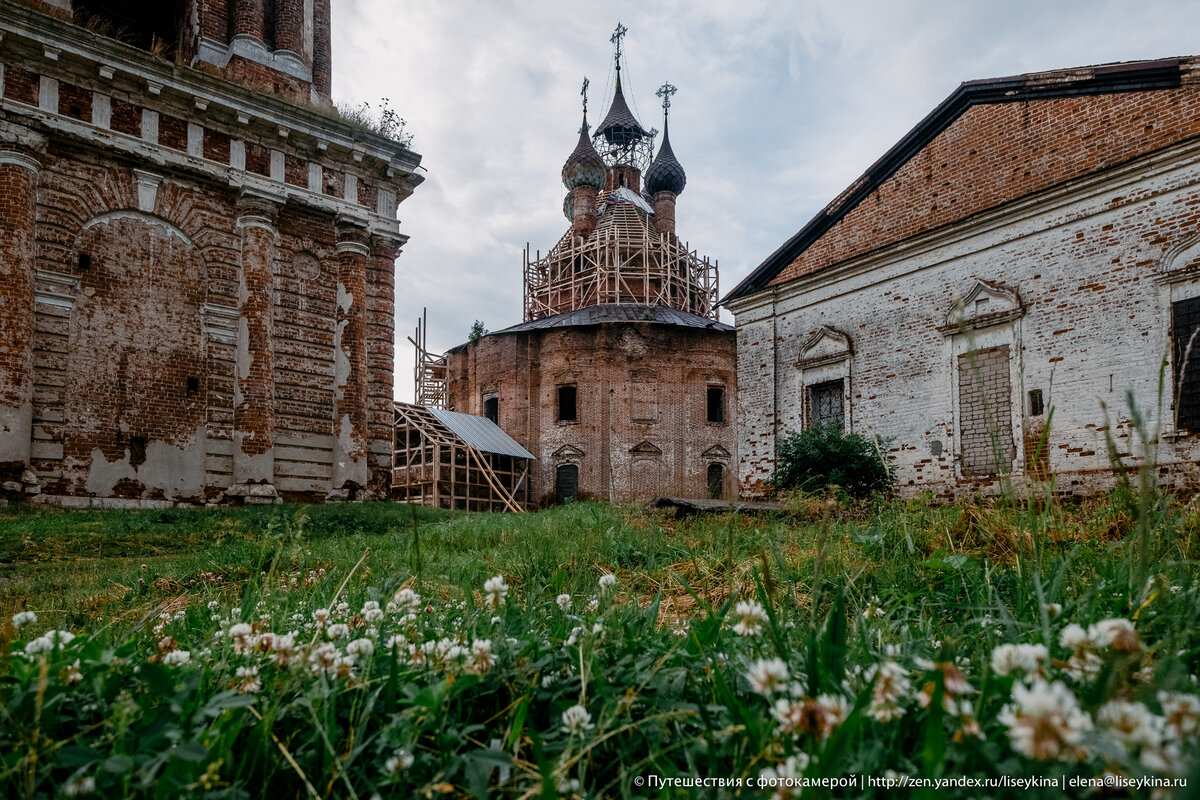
{"points": [[665, 91], [583, 93], [616, 38]]}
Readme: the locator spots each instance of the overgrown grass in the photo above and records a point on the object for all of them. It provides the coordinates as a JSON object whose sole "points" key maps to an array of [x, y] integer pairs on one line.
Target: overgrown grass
{"points": [[666, 664]]}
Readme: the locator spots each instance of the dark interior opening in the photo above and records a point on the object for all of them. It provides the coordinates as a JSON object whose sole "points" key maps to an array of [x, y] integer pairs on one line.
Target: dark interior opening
{"points": [[716, 404], [566, 482], [567, 411], [193, 385], [716, 481], [155, 26], [137, 451], [1036, 406], [491, 408]]}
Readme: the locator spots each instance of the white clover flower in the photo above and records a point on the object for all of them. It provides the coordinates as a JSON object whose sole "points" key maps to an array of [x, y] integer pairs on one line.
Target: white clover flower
{"points": [[874, 608], [73, 674], [495, 590], [1045, 722], [481, 655], [23, 618], [338, 630], [1130, 723], [360, 648], [1181, 713], [782, 776], [236, 611], [766, 675], [248, 682], [592, 605], [1053, 609], [405, 600], [564, 602], [323, 659], [752, 616], [607, 581], [1028, 659], [1119, 634], [321, 617], [400, 761], [577, 720], [1073, 637], [79, 786], [574, 635], [176, 658], [371, 612], [284, 651], [889, 683]]}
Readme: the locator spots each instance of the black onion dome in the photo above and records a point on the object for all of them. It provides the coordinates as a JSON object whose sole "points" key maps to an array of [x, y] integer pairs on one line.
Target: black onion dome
{"points": [[569, 207], [620, 128], [666, 173], [584, 166]]}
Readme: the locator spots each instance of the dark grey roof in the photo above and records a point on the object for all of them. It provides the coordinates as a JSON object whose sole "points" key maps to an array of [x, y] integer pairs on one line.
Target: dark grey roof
{"points": [[666, 173], [480, 432], [594, 315], [620, 127]]}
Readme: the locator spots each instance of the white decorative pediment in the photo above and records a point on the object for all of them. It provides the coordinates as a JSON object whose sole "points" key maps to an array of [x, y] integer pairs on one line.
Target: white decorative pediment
{"points": [[645, 450], [568, 453], [716, 453], [826, 346], [1182, 260], [985, 304]]}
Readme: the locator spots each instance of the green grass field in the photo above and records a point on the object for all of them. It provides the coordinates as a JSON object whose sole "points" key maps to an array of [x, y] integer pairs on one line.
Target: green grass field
{"points": [[280, 651]]}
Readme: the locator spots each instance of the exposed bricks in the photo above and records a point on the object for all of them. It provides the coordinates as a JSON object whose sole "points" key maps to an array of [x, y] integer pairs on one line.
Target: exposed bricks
{"points": [[295, 170], [333, 183], [367, 194], [216, 146], [126, 117], [321, 58], [172, 132], [258, 159], [74, 101], [994, 154], [350, 474], [20, 85]]}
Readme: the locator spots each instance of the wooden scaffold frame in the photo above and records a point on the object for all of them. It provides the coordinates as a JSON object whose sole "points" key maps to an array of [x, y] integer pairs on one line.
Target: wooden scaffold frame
{"points": [[624, 261], [435, 466]]}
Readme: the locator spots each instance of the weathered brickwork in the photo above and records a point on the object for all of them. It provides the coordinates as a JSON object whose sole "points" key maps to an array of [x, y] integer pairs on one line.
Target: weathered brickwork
{"points": [[1066, 292], [174, 325], [641, 428]]}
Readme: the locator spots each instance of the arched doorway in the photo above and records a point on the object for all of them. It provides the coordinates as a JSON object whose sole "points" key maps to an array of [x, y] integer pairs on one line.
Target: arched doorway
{"points": [[566, 483], [716, 481]]}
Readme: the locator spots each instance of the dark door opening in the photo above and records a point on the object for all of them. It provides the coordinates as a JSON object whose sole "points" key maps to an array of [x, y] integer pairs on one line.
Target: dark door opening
{"points": [[716, 481], [566, 483]]}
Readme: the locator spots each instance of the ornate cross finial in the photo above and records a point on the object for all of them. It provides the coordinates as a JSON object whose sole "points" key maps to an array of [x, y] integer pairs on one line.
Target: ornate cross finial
{"points": [[583, 93], [665, 91], [616, 38]]}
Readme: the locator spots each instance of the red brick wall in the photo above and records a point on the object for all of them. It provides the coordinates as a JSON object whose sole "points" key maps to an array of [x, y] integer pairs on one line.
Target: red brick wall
{"points": [[74, 101], [126, 118], [20, 85], [994, 154]]}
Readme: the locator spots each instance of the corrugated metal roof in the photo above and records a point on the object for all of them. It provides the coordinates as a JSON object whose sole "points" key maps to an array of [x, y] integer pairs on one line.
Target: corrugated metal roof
{"points": [[480, 432], [612, 312]]}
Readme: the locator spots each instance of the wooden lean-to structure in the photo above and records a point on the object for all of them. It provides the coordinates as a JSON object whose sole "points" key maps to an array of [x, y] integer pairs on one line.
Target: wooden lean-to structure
{"points": [[444, 459]]}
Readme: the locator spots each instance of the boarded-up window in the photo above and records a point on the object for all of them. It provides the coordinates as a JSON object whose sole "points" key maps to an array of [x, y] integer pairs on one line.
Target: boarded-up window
{"points": [[566, 482], [985, 411], [826, 404], [1185, 327], [643, 401]]}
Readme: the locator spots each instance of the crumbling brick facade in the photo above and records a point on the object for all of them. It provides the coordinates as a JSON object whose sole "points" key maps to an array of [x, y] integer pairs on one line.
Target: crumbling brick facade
{"points": [[195, 302], [1029, 248]]}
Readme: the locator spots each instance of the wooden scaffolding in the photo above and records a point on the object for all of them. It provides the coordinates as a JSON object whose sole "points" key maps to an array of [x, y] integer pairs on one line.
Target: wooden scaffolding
{"points": [[445, 459], [431, 372], [624, 261]]}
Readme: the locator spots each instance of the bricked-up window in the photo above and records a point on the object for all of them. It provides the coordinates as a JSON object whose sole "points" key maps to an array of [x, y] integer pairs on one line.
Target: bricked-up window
{"points": [[985, 411], [826, 404], [716, 403], [1185, 328], [566, 482], [716, 480], [643, 401], [567, 407], [491, 407]]}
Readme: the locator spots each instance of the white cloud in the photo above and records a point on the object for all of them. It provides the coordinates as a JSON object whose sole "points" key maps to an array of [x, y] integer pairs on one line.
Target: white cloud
{"points": [[780, 106]]}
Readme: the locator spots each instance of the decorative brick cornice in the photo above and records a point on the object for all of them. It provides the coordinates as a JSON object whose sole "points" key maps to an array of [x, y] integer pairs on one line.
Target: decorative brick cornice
{"points": [[19, 159]]}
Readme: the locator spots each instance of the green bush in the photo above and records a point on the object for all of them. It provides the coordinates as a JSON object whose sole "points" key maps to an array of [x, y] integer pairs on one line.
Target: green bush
{"points": [[827, 456]]}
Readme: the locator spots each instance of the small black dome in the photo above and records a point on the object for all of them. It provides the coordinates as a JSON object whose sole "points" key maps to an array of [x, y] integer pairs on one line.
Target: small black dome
{"points": [[584, 167], [620, 128], [666, 173]]}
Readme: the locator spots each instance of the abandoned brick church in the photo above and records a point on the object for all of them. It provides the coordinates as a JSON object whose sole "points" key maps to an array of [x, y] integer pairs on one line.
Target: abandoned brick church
{"points": [[620, 380], [196, 256], [1033, 245]]}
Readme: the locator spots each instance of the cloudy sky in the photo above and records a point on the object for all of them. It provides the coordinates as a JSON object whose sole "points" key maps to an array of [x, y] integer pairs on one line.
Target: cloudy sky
{"points": [[780, 106]]}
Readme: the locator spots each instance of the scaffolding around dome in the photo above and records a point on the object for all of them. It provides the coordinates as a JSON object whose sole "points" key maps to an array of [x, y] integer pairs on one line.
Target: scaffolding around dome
{"points": [[624, 262]]}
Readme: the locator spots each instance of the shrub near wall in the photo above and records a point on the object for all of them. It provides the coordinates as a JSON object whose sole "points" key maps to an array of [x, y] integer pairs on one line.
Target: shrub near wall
{"points": [[827, 456]]}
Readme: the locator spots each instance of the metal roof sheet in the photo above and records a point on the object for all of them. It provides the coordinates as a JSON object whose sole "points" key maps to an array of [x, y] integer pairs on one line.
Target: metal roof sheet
{"points": [[480, 432], [612, 312]]}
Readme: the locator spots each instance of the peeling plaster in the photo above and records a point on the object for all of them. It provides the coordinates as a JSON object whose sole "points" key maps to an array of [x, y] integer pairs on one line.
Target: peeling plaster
{"points": [[16, 426], [176, 471]]}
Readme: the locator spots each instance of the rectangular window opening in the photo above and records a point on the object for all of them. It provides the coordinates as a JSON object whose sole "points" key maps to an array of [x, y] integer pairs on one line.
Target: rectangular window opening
{"points": [[827, 404], [716, 403], [1036, 406], [491, 408], [567, 409], [1185, 330]]}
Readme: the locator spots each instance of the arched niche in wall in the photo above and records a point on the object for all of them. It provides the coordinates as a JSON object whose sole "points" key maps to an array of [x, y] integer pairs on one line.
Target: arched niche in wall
{"points": [[824, 369], [982, 326]]}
